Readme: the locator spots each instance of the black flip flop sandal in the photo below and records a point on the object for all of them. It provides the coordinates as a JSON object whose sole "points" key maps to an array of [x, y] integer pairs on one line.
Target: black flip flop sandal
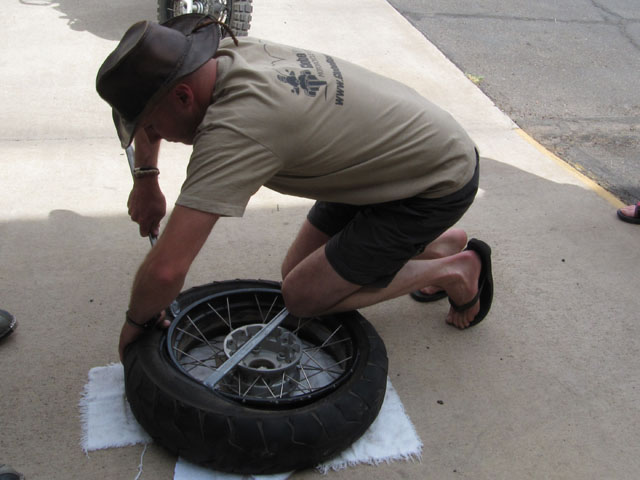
{"points": [[485, 283], [634, 219], [418, 296]]}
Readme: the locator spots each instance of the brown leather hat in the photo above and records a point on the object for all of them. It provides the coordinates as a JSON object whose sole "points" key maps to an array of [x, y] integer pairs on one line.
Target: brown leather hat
{"points": [[148, 61]]}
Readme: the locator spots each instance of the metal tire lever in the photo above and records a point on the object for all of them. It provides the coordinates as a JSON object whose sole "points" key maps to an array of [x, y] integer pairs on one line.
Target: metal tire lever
{"points": [[245, 349]]}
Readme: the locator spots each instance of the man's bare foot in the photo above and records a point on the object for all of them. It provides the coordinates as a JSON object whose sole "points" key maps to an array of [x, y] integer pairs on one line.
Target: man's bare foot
{"points": [[449, 243], [464, 289]]}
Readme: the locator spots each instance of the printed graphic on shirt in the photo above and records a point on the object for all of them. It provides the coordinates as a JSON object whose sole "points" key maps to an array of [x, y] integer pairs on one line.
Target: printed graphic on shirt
{"points": [[339, 80], [306, 81], [311, 79]]}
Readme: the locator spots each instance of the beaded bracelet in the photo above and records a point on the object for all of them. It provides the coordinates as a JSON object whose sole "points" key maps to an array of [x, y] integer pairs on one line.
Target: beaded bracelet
{"points": [[141, 172]]}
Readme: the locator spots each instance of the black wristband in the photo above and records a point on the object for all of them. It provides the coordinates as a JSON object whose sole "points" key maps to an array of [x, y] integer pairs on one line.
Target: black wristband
{"points": [[144, 326]]}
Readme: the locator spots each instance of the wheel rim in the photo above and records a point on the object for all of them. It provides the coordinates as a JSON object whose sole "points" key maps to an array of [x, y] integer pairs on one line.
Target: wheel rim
{"points": [[219, 9], [304, 359]]}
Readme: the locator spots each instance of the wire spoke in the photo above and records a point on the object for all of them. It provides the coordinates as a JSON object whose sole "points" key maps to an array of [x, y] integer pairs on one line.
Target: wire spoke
{"points": [[330, 336], [268, 387], [197, 362], [186, 354], [301, 326], [324, 350], [313, 359], [220, 316], [325, 345], [301, 387], [323, 370], [327, 370], [282, 385], [271, 306], [306, 378], [206, 340], [319, 371], [250, 386], [335, 364], [255, 296], [189, 334]]}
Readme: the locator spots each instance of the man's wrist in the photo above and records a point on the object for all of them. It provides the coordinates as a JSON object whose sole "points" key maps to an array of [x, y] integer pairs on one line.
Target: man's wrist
{"points": [[144, 326], [145, 172], [150, 181]]}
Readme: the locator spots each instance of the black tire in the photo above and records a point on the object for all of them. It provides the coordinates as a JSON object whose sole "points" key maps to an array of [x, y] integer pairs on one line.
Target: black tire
{"points": [[229, 433], [234, 13], [241, 17]]}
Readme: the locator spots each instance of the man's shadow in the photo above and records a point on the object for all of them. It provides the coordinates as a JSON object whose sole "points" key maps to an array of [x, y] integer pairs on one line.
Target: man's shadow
{"points": [[105, 19]]}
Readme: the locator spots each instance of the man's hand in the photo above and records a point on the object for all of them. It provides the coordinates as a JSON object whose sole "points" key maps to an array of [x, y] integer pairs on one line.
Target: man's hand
{"points": [[147, 205], [131, 333]]}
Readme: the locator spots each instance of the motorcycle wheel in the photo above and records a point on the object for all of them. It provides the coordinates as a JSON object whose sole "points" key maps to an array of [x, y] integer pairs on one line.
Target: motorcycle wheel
{"points": [[234, 13], [309, 390]]}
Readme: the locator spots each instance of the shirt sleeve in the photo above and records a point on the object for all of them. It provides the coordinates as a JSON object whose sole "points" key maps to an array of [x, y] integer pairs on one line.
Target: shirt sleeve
{"points": [[225, 169]]}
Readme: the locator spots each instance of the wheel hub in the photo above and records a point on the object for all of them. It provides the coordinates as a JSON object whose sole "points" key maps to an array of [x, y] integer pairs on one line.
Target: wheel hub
{"points": [[271, 367], [214, 8]]}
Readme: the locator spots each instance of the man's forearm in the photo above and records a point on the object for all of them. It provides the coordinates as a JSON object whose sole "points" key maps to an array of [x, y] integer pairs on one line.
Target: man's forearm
{"points": [[162, 274], [146, 151], [147, 204], [151, 294], [154, 288]]}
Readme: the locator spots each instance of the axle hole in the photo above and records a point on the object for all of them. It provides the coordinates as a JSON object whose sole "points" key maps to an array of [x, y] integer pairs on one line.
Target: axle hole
{"points": [[262, 364]]}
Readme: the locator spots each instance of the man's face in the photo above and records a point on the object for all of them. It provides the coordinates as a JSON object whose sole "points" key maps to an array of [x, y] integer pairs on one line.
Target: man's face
{"points": [[172, 120]]}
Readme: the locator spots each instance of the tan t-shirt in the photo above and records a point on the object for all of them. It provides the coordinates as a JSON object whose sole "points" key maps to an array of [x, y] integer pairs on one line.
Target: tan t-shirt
{"points": [[307, 124]]}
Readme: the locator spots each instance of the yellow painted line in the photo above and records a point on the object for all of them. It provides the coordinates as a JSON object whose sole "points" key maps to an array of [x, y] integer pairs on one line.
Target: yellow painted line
{"points": [[608, 196]]}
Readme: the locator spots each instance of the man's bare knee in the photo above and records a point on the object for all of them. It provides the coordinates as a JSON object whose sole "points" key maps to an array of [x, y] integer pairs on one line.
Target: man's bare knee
{"points": [[298, 299], [308, 240]]}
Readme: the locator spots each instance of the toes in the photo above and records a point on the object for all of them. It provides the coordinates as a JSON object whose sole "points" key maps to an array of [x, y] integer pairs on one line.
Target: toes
{"points": [[461, 320]]}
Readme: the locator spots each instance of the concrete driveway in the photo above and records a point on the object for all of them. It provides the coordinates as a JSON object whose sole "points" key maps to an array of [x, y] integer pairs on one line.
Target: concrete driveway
{"points": [[548, 386]]}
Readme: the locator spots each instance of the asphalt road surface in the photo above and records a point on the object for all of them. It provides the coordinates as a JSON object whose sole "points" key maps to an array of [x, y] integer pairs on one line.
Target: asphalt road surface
{"points": [[567, 72]]}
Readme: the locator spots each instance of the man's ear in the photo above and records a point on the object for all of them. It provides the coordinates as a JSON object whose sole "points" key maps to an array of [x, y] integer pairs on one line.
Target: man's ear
{"points": [[183, 94]]}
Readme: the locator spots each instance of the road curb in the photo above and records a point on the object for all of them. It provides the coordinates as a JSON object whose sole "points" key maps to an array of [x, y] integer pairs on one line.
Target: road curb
{"points": [[592, 185]]}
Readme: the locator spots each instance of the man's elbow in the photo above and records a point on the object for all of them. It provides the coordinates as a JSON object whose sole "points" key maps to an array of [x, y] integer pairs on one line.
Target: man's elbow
{"points": [[168, 275]]}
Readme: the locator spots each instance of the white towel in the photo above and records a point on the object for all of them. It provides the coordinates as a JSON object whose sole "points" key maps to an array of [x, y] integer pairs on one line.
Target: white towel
{"points": [[107, 422]]}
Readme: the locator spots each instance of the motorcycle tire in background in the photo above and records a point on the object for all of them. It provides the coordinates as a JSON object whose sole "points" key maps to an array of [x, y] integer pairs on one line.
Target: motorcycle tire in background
{"points": [[234, 13], [308, 391]]}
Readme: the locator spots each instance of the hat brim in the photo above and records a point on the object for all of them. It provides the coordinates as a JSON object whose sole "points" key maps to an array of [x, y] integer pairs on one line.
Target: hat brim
{"points": [[203, 36]]}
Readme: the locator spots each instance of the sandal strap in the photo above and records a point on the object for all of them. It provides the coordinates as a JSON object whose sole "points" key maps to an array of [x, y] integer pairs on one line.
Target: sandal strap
{"points": [[466, 306], [470, 303]]}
